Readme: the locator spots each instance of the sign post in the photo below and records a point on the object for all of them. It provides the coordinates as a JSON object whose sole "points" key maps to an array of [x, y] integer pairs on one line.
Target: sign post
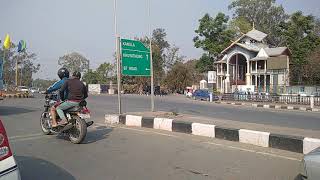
{"points": [[135, 58], [137, 61], [117, 57]]}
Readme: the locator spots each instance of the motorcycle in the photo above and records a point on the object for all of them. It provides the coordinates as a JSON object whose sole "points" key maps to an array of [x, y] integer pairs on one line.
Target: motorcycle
{"points": [[75, 129]]}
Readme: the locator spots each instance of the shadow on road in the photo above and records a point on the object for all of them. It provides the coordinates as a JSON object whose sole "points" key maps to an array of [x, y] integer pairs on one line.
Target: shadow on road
{"points": [[98, 134], [93, 135], [10, 110], [39, 169]]}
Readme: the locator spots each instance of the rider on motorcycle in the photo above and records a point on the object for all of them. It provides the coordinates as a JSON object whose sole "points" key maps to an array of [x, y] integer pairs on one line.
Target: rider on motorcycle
{"points": [[63, 74], [77, 92]]}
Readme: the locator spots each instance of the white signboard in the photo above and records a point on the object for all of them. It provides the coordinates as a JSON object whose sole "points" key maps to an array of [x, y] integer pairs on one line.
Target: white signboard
{"points": [[212, 77]]}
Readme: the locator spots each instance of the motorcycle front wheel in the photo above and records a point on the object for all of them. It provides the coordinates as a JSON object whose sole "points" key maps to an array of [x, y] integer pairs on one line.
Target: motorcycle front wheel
{"points": [[44, 123], [79, 131]]}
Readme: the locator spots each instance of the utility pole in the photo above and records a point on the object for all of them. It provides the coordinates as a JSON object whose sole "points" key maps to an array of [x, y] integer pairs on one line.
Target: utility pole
{"points": [[117, 57], [151, 61]]}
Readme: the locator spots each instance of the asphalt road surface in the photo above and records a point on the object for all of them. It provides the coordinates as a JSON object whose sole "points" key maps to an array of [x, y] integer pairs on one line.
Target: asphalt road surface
{"points": [[282, 118], [132, 153]]}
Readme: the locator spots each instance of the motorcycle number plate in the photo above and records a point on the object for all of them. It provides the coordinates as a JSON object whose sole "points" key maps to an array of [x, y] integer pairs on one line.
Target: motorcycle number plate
{"points": [[84, 116]]}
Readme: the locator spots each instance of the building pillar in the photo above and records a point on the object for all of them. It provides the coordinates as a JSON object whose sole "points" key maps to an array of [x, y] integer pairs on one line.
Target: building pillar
{"points": [[256, 66], [256, 83], [221, 84], [227, 80], [248, 74], [265, 83]]}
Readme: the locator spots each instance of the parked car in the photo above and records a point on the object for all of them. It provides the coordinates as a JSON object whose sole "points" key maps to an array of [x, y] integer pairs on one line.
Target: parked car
{"points": [[204, 95], [8, 166], [34, 90], [310, 166], [23, 89]]}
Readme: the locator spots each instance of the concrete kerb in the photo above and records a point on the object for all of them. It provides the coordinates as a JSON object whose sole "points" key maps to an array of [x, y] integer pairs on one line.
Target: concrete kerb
{"points": [[259, 138], [16, 96], [283, 107]]}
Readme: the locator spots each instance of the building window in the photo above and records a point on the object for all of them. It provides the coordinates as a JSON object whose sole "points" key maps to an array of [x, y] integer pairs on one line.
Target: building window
{"points": [[253, 65]]}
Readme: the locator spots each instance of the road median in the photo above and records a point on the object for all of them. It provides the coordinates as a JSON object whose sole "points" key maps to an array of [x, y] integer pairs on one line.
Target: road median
{"points": [[290, 139]]}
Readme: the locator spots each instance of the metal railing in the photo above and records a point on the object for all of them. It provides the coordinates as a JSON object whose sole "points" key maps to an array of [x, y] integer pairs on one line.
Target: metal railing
{"points": [[283, 99]]}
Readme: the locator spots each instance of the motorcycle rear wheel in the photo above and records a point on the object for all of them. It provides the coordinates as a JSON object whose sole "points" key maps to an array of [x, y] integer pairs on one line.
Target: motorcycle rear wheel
{"points": [[44, 123], [79, 130]]}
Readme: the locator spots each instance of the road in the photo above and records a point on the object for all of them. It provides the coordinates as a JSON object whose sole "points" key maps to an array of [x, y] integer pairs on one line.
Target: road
{"points": [[281, 118], [134, 153]]}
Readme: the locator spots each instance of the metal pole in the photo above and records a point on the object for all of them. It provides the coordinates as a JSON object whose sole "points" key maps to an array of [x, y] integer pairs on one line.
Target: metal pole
{"points": [[3, 61], [17, 71], [117, 57], [151, 61]]}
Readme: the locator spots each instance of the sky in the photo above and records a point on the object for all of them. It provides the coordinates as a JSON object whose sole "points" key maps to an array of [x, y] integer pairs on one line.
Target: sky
{"points": [[53, 28]]}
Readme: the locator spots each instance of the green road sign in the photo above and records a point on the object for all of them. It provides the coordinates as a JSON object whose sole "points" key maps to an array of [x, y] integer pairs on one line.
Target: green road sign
{"points": [[135, 58]]}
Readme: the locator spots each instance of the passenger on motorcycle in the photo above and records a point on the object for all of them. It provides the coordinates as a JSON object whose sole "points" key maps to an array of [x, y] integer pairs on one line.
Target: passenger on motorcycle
{"points": [[63, 74], [77, 92]]}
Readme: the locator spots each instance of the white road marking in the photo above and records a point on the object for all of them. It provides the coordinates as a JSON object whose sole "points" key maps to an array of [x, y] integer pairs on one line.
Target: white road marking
{"points": [[25, 136]]}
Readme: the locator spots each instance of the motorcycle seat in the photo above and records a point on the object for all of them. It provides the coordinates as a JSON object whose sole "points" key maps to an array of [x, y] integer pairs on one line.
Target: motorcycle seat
{"points": [[74, 109]]}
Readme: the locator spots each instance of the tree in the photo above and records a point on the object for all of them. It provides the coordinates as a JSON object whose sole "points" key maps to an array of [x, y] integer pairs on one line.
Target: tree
{"points": [[240, 25], [204, 64], [213, 34], [301, 39], [172, 56], [312, 68], [266, 16], [196, 76], [102, 75], [178, 78], [91, 77], [26, 66], [42, 84], [159, 39], [105, 72], [74, 62]]}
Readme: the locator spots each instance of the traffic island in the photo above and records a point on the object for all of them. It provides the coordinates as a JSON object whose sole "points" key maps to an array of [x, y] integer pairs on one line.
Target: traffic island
{"points": [[16, 95], [270, 106], [293, 143]]}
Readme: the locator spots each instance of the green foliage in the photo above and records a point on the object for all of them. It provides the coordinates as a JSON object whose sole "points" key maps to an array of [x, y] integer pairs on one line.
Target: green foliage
{"points": [[74, 62], [159, 39], [172, 56], [301, 39], [182, 75], [26, 66], [103, 74], [91, 77], [240, 25], [213, 34], [204, 64], [266, 15], [311, 70], [43, 84]]}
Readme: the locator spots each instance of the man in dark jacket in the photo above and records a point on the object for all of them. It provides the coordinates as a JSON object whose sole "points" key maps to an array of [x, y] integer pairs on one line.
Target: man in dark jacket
{"points": [[76, 91]]}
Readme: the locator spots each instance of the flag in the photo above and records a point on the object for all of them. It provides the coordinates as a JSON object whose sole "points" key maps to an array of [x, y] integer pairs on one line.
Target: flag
{"points": [[7, 42], [22, 46]]}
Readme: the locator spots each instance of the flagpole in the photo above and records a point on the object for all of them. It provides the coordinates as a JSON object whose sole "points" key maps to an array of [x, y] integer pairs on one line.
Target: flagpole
{"points": [[17, 71], [4, 57]]}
